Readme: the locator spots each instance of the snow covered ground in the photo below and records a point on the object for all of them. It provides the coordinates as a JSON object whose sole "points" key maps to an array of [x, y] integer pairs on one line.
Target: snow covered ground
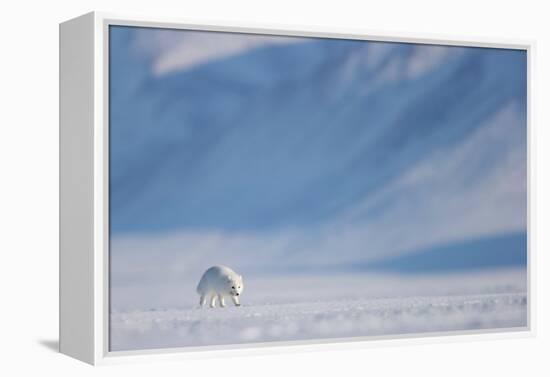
{"points": [[320, 307]]}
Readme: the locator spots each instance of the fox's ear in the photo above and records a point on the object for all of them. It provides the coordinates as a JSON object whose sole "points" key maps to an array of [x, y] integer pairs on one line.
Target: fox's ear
{"points": [[241, 277]]}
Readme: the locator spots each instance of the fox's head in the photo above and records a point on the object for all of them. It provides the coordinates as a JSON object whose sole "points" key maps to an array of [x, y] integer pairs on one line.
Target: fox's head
{"points": [[235, 285]]}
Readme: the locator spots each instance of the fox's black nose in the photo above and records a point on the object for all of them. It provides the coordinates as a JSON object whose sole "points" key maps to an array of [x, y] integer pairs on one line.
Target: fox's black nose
{"points": [[236, 294]]}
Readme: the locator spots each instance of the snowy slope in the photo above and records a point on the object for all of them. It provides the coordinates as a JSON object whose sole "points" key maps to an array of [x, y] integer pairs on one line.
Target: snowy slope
{"points": [[291, 134], [314, 153]]}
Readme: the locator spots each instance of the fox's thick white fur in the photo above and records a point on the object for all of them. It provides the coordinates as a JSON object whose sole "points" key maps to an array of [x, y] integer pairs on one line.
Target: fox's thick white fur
{"points": [[219, 282]]}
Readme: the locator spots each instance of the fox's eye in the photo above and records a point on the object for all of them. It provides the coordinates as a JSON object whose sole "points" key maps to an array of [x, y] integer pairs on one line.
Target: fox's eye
{"points": [[233, 287]]}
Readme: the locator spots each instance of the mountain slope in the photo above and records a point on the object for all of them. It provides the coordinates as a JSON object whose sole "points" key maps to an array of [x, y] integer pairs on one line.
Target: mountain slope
{"points": [[289, 135]]}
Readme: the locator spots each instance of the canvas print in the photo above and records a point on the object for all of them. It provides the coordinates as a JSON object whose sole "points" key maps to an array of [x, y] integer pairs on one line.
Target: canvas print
{"points": [[269, 189]]}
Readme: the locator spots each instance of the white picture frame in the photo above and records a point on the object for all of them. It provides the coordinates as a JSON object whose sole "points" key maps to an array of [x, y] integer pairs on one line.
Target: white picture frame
{"points": [[84, 157]]}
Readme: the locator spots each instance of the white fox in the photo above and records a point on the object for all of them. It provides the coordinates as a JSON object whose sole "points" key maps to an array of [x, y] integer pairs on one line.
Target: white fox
{"points": [[218, 282]]}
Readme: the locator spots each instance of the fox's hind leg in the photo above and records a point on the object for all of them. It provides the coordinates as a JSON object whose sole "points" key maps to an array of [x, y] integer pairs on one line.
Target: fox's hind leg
{"points": [[202, 301], [221, 301]]}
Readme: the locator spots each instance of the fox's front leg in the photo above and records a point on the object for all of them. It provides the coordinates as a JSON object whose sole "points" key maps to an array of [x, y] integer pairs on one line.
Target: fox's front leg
{"points": [[221, 301], [213, 301], [236, 300]]}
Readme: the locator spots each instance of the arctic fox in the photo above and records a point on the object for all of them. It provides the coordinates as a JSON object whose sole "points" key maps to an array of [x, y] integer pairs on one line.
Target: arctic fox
{"points": [[218, 282]]}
